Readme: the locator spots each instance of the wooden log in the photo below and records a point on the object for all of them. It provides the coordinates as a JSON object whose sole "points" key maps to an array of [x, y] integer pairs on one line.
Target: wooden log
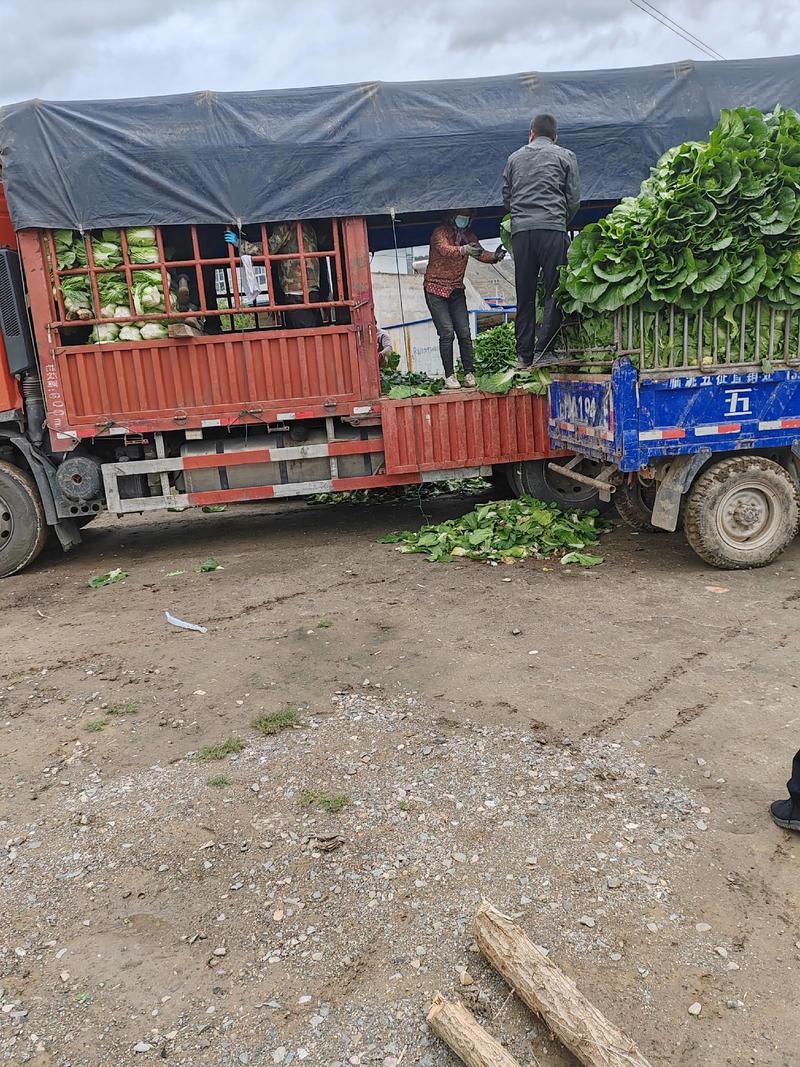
{"points": [[461, 1031], [548, 992]]}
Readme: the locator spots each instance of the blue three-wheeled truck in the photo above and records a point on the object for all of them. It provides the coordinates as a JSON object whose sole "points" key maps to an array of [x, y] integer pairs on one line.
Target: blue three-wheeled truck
{"points": [[694, 422]]}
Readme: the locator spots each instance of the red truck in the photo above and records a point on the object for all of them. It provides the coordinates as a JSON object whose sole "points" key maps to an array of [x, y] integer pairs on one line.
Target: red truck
{"points": [[248, 408]]}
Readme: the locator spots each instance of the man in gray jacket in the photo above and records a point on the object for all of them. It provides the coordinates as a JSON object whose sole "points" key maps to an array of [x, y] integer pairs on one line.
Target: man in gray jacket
{"points": [[541, 189]]}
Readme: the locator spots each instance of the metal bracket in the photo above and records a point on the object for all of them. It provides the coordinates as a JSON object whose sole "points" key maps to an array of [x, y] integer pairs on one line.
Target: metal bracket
{"points": [[680, 475]]}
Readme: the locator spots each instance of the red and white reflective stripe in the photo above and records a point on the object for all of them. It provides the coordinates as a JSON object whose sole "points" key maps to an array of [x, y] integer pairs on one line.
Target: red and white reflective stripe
{"points": [[287, 416], [211, 460], [713, 431], [582, 431], [595, 431], [673, 434], [780, 424]]}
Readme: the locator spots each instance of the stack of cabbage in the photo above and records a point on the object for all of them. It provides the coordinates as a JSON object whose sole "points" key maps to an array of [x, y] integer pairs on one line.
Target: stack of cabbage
{"points": [[147, 290], [715, 225], [76, 291]]}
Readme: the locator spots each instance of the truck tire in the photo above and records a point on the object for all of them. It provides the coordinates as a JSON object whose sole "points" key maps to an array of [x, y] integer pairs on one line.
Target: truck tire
{"points": [[23, 527], [634, 501], [532, 478], [742, 512], [499, 479]]}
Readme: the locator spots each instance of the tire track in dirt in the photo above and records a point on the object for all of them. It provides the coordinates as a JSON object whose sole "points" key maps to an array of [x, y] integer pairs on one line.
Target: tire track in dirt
{"points": [[642, 699]]}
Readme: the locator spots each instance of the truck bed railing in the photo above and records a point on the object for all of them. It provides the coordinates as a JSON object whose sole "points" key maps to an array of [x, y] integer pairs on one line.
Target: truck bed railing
{"points": [[753, 335]]}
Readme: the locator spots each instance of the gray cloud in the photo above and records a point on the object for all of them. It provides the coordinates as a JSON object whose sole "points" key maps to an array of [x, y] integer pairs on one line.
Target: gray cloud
{"points": [[83, 49]]}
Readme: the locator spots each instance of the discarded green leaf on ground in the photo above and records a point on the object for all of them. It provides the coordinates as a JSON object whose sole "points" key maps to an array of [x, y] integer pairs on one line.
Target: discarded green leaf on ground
{"points": [[213, 509], [504, 532], [582, 559], [109, 578], [210, 565], [174, 574], [397, 493]]}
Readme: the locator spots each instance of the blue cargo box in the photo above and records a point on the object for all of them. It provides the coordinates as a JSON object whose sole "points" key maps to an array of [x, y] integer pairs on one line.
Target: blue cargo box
{"points": [[631, 420]]}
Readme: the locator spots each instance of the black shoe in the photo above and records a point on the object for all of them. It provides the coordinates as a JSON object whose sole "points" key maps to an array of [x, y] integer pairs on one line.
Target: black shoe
{"points": [[524, 364], [545, 359], [786, 814]]}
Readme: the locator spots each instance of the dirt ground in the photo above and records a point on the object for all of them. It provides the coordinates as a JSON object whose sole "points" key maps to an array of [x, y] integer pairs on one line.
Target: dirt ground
{"points": [[604, 776]]}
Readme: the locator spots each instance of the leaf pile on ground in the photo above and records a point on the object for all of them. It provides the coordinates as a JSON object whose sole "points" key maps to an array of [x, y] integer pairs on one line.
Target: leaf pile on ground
{"points": [[395, 494], [505, 532]]}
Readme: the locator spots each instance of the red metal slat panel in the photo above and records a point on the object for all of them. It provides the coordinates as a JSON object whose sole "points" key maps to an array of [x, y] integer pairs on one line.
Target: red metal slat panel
{"points": [[468, 430], [207, 377]]}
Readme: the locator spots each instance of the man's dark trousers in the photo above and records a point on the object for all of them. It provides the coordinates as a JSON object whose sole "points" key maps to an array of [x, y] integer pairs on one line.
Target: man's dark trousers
{"points": [[535, 251], [794, 781]]}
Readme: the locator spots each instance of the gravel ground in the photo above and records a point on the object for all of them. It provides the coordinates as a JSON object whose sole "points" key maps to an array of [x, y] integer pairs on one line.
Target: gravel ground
{"points": [[247, 922], [593, 753]]}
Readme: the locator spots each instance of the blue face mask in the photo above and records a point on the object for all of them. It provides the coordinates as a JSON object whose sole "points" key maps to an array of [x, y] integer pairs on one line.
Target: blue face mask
{"points": [[462, 221]]}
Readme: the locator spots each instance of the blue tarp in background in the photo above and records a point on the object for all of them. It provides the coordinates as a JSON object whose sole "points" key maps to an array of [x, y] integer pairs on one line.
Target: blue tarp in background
{"points": [[355, 149]]}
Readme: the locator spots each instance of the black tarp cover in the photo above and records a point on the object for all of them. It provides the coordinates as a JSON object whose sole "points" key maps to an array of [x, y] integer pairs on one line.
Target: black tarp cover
{"points": [[355, 149]]}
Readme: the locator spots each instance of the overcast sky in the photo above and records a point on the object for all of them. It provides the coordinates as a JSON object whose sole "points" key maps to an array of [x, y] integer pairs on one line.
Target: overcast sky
{"points": [[79, 49]]}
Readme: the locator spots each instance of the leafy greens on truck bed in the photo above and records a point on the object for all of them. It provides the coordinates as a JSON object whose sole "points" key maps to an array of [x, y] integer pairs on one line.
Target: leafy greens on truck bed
{"points": [[716, 224], [506, 531]]}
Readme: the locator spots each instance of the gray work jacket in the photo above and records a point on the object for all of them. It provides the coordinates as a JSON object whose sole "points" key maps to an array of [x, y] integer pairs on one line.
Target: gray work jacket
{"points": [[541, 186]]}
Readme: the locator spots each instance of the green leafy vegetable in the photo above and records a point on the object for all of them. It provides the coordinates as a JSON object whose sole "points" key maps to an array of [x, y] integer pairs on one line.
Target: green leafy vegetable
{"points": [[109, 578], [399, 386], [495, 350], [716, 224], [396, 493], [582, 559], [504, 532], [210, 565]]}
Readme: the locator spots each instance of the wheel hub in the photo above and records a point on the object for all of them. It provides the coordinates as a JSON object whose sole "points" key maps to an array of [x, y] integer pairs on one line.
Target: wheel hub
{"points": [[748, 516], [6, 524]]}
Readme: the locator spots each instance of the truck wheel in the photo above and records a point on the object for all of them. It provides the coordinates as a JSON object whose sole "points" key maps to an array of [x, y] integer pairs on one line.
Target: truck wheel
{"points": [[634, 501], [23, 528], [532, 478], [742, 512]]}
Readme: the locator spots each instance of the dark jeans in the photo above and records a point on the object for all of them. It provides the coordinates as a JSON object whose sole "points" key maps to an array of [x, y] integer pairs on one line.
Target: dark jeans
{"points": [[304, 318], [535, 251], [451, 319], [794, 781]]}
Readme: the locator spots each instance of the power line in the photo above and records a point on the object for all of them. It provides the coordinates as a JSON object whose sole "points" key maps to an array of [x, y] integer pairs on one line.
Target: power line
{"points": [[676, 28], [699, 40]]}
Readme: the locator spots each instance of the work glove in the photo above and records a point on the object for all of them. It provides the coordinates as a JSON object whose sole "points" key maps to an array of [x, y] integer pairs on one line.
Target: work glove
{"points": [[471, 250], [500, 254], [231, 238]]}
